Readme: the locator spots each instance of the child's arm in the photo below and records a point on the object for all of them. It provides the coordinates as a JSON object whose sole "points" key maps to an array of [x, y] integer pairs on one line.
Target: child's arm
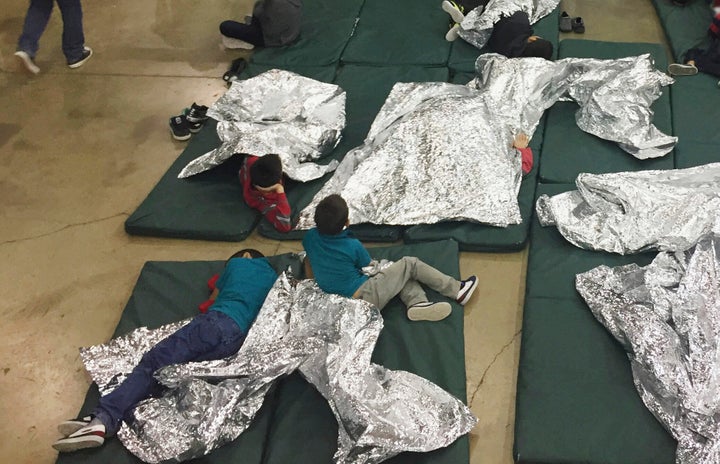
{"points": [[308, 268], [273, 203], [521, 144]]}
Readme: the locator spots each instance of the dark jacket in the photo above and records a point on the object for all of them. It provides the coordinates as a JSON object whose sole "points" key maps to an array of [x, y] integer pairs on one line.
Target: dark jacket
{"points": [[510, 34], [279, 20]]}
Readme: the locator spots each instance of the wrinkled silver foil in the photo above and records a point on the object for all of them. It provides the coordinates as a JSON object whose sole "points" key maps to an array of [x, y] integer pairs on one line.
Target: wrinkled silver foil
{"points": [[631, 212], [478, 24], [281, 112], [330, 339], [667, 317], [441, 152]]}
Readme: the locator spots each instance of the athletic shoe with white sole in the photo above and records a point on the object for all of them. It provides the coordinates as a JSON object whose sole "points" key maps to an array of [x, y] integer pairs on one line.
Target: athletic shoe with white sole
{"points": [[27, 61], [86, 54], [467, 287], [179, 128], [73, 425], [428, 311], [452, 34], [229, 42], [454, 10], [90, 436], [677, 69]]}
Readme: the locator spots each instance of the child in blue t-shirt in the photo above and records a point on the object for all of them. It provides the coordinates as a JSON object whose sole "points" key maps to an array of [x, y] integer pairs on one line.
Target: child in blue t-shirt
{"points": [[240, 293], [335, 259]]}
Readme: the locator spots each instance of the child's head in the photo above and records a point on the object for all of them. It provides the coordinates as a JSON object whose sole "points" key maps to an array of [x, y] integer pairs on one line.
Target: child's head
{"points": [[248, 253], [538, 47], [266, 171], [331, 215]]}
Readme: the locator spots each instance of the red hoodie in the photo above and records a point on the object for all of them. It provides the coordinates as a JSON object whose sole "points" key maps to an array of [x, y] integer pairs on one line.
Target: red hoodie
{"points": [[274, 206]]}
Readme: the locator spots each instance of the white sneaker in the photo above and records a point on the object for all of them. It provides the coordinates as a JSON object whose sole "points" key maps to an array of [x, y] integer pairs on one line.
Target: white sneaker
{"points": [[27, 61], [229, 42], [453, 11], [71, 426], [467, 287], [428, 311], [677, 69], [452, 34], [90, 436]]}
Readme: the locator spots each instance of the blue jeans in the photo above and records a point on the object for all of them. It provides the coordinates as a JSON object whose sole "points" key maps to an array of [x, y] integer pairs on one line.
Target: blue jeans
{"points": [[208, 336], [36, 20]]}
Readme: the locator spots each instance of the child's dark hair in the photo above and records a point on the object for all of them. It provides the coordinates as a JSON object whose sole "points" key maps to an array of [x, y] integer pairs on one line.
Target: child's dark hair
{"points": [[331, 215], [266, 171], [253, 254], [540, 47]]}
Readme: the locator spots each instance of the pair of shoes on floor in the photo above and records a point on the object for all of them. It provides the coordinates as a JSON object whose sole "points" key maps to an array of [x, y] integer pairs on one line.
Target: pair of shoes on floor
{"points": [[81, 433], [679, 69], [570, 24], [428, 311], [236, 68], [232, 43], [86, 54], [189, 122]]}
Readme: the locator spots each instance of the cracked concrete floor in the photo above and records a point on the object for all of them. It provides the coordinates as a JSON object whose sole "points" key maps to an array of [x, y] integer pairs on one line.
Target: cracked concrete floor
{"points": [[79, 150]]}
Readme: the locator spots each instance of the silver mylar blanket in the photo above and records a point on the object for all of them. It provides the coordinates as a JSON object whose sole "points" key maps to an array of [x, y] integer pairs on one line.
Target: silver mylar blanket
{"points": [[439, 151], [667, 317], [329, 339], [478, 24], [281, 112], [630, 212]]}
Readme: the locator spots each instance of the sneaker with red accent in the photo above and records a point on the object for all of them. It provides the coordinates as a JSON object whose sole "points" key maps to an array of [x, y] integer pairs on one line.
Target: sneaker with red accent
{"points": [[89, 436], [467, 287], [73, 425]]}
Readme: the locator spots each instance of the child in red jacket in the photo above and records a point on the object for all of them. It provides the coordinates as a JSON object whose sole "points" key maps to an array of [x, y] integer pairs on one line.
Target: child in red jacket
{"points": [[263, 189]]}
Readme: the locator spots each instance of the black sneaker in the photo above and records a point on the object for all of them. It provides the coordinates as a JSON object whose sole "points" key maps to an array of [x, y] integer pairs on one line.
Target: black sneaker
{"points": [[197, 113], [87, 53], [179, 127], [73, 425], [90, 436]]}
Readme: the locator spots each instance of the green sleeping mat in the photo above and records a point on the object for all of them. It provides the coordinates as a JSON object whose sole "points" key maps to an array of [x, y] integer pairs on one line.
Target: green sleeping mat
{"points": [[367, 87], [694, 98], [567, 151], [295, 423], [207, 206], [463, 55], [303, 430], [166, 292], [326, 28], [400, 32], [685, 26], [575, 400]]}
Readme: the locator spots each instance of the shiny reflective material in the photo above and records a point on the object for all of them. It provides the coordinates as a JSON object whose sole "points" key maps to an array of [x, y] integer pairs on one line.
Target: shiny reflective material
{"points": [[630, 212], [329, 339], [478, 24], [667, 317], [298, 118], [440, 152]]}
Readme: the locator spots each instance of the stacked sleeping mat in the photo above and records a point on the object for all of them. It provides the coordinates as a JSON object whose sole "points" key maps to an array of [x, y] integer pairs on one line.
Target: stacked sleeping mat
{"points": [[363, 47], [693, 97], [295, 424]]}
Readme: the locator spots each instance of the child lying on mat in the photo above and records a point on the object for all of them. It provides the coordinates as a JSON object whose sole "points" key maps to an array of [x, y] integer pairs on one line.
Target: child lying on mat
{"points": [[703, 60], [335, 259], [240, 292], [274, 23], [263, 190]]}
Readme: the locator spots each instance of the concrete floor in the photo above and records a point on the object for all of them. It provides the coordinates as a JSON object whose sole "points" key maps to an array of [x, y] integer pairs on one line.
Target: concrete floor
{"points": [[80, 149]]}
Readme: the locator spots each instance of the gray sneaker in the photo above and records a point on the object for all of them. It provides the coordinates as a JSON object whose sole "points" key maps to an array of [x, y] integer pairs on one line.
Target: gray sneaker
{"points": [[678, 69], [428, 311]]}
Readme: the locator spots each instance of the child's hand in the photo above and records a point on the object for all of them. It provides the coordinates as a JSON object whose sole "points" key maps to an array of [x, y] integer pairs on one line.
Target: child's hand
{"points": [[520, 141], [277, 188]]}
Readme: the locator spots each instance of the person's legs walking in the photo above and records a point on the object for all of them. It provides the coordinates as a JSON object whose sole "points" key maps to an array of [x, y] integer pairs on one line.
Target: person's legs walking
{"points": [[73, 38], [36, 21]]}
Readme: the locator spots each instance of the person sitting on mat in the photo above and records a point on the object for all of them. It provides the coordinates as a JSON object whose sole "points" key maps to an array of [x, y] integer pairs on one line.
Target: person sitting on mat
{"points": [[219, 333], [513, 37], [707, 60], [335, 259], [274, 23], [263, 190]]}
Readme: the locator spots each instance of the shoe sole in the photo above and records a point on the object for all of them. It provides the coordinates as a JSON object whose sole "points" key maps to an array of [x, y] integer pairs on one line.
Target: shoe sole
{"points": [[180, 137], [82, 62], [454, 13], [676, 69], [67, 428], [195, 131], [27, 62], [229, 42], [452, 35], [433, 312], [67, 445], [469, 293]]}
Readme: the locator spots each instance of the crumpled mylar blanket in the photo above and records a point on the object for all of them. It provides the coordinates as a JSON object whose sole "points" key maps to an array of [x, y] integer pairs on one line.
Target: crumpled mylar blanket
{"points": [[478, 24], [329, 339], [281, 112], [667, 317], [439, 151], [631, 212]]}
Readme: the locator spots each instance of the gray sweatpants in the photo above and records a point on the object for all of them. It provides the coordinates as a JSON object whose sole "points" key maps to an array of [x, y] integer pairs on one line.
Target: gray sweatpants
{"points": [[404, 277]]}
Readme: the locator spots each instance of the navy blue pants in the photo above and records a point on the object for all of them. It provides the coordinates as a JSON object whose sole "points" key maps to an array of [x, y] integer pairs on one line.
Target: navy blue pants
{"points": [[707, 61], [36, 20], [213, 335]]}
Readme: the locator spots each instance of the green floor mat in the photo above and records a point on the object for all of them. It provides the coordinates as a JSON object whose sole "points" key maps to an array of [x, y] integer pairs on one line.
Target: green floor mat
{"points": [[401, 32], [567, 151], [693, 99], [463, 55], [367, 88], [685, 26], [327, 26], [166, 292], [303, 430]]}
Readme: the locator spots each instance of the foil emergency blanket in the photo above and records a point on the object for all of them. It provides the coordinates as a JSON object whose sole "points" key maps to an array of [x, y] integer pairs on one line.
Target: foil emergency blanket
{"points": [[281, 112], [330, 339], [667, 317], [439, 151], [631, 212], [478, 24]]}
